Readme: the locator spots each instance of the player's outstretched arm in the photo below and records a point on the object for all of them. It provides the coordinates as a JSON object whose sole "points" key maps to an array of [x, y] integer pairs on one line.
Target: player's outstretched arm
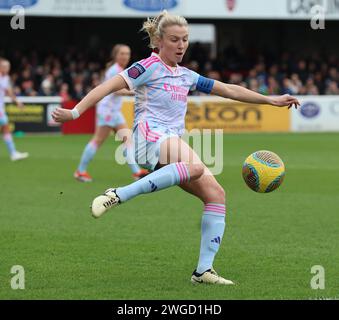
{"points": [[242, 94], [95, 95]]}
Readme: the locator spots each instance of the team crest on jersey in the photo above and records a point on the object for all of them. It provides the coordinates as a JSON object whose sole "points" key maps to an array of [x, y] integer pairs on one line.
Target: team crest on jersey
{"points": [[135, 71]]}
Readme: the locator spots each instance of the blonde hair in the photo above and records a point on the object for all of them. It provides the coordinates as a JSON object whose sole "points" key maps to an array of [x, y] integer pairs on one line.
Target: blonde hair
{"points": [[155, 27], [115, 50]]}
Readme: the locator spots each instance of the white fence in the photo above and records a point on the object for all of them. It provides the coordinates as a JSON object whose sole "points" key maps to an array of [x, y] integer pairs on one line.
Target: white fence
{"points": [[220, 9]]}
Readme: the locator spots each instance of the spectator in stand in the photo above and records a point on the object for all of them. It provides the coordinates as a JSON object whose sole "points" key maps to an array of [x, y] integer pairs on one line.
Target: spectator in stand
{"points": [[235, 78], [262, 85], [296, 82], [47, 86], [64, 92], [319, 82], [332, 88], [252, 74], [260, 69], [310, 87], [79, 68], [288, 87], [253, 84], [333, 75], [79, 91], [301, 70], [214, 74], [272, 86], [26, 83]]}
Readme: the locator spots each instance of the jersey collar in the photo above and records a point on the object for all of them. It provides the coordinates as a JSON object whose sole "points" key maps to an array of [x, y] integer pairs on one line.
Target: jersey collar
{"points": [[169, 67]]}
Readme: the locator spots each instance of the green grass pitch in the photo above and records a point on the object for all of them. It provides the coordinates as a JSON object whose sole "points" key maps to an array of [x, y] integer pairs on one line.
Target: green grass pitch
{"points": [[148, 247]]}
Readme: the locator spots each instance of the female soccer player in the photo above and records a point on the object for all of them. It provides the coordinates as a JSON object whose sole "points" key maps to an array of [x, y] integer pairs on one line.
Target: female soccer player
{"points": [[5, 88], [161, 87], [109, 117]]}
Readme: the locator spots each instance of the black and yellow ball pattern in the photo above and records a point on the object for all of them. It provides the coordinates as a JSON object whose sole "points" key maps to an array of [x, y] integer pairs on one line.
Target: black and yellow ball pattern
{"points": [[263, 171]]}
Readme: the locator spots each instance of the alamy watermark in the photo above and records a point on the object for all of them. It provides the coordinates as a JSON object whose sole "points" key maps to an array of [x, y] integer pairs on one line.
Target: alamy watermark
{"points": [[18, 279], [318, 280], [18, 19], [207, 147], [318, 17]]}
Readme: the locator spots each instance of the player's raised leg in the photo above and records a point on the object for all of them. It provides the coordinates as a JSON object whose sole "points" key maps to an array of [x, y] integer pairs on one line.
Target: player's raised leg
{"points": [[167, 176], [172, 173]]}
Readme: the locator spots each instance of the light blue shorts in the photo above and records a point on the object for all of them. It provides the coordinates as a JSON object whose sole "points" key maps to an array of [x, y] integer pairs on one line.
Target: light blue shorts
{"points": [[3, 117], [147, 138], [110, 119]]}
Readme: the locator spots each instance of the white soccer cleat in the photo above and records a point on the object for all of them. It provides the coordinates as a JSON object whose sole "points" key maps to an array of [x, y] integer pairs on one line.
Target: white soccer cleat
{"points": [[104, 202], [209, 277], [19, 155]]}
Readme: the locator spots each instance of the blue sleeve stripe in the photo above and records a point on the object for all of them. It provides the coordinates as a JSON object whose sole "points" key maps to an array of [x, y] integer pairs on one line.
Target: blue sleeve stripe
{"points": [[205, 84]]}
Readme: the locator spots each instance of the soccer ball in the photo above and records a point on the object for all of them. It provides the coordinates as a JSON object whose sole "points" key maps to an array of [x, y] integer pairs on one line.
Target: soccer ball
{"points": [[263, 171]]}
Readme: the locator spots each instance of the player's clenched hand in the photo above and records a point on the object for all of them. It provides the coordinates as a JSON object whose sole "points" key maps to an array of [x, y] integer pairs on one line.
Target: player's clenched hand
{"points": [[62, 115], [284, 101]]}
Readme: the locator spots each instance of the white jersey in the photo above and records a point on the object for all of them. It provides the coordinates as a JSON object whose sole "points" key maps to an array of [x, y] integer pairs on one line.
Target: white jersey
{"points": [[160, 92], [111, 103], [4, 85]]}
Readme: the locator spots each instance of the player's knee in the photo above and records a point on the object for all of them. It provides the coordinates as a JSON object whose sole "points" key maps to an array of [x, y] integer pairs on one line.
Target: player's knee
{"points": [[216, 194], [221, 194], [195, 170]]}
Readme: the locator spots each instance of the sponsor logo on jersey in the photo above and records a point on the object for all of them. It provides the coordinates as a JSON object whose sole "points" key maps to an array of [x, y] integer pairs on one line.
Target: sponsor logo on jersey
{"points": [[135, 71]]}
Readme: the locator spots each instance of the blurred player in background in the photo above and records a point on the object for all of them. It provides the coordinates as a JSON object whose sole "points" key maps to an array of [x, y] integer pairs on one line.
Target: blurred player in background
{"points": [[161, 87], [6, 89], [109, 117]]}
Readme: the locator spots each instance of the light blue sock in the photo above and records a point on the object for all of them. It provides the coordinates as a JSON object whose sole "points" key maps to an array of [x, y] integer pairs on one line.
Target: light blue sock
{"points": [[8, 139], [212, 231], [167, 176], [87, 155], [129, 155]]}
